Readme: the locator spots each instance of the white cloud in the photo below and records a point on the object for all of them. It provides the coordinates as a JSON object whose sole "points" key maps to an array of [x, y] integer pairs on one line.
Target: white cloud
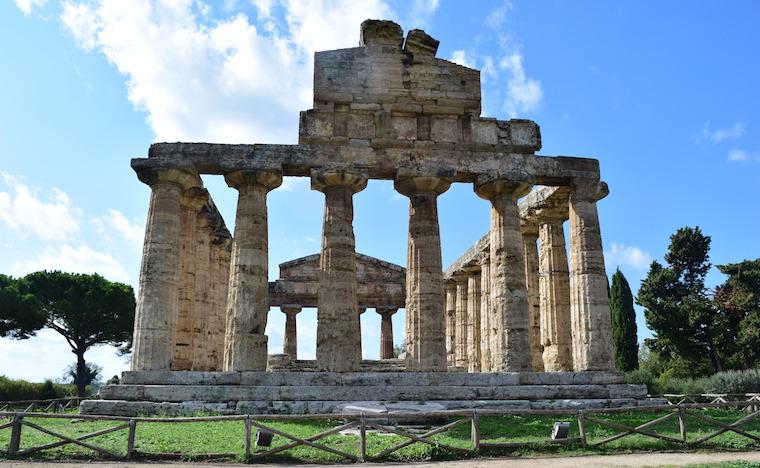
{"points": [[50, 216], [523, 94], [248, 81], [81, 259], [733, 132], [498, 16], [115, 223], [460, 57], [738, 155], [26, 6], [420, 12], [626, 255]]}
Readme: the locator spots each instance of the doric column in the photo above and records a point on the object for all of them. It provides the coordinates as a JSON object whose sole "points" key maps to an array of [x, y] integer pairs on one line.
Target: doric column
{"points": [[425, 301], [245, 347], [190, 262], [555, 296], [157, 303], [451, 320], [222, 258], [359, 311], [530, 236], [201, 319], [338, 345], [473, 322], [486, 319], [386, 332], [460, 352], [590, 311], [508, 292], [290, 339]]}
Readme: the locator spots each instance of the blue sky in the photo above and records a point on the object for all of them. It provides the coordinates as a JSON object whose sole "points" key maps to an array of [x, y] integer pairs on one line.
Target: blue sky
{"points": [[664, 94]]}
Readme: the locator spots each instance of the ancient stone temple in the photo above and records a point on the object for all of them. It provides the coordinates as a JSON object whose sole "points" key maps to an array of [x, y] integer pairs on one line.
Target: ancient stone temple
{"points": [[521, 320]]}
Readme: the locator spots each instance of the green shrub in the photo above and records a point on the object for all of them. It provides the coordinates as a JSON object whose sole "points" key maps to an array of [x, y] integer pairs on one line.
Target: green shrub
{"points": [[643, 376], [15, 390], [747, 381]]}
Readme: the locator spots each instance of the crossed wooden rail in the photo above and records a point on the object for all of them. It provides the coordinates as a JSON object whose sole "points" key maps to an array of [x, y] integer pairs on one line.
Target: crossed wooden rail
{"points": [[365, 422], [55, 405]]}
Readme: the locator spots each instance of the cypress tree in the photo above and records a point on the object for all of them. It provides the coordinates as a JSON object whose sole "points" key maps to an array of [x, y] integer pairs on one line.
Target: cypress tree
{"points": [[624, 335]]}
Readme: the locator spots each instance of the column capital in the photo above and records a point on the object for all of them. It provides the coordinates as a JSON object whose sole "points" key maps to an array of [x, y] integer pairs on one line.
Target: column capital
{"points": [[484, 258], [529, 228], [491, 187], [290, 309], [184, 178], [269, 179], [194, 198], [589, 189], [413, 185], [386, 311], [324, 178]]}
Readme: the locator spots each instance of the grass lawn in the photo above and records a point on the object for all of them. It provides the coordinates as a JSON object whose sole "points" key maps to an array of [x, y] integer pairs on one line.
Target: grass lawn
{"points": [[192, 440]]}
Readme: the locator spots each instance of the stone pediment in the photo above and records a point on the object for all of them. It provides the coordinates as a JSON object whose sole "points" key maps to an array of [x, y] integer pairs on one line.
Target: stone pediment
{"points": [[367, 269], [379, 283]]}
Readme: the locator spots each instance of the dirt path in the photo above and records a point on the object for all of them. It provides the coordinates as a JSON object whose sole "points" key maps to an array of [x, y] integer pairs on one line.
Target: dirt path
{"points": [[627, 460]]}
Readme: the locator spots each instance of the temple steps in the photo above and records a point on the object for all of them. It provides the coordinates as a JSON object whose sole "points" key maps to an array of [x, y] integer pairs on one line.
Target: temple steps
{"points": [[134, 408], [183, 392]]}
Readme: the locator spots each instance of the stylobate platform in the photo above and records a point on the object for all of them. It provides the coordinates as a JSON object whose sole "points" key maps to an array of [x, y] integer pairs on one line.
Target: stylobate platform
{"points": [[179, 392]]}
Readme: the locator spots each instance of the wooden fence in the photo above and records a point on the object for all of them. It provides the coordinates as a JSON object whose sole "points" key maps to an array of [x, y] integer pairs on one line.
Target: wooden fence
{"points": [[681, 398], [55, 405], [384, 424]]}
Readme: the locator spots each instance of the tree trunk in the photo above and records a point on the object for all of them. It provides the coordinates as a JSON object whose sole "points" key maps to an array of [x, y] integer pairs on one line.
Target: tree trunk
{"points": [[81, 373], [717, 366]]}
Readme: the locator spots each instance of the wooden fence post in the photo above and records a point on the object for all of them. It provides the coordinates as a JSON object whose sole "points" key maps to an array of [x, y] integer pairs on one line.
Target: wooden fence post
{"points": [[15, 442], [475, 431], [582, 428], [682, 424], [247, 444], [362, 439], [131, 439]]}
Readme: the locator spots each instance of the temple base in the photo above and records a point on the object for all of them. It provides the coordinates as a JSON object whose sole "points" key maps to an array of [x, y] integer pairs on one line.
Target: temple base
{"points": [[183, 392]]}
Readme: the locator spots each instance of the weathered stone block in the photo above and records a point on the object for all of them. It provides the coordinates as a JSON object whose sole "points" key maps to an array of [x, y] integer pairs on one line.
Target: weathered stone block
{"points": [[483, 131], [361, 126], [443, 129], [420, 44], [404, 128], [525, 134]]}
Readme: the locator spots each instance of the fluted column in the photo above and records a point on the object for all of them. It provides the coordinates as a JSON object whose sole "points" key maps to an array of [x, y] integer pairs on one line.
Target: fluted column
{"points": [[590, 311], [359, 312], [157, 302], [290, 339], [451, 320], [425, 301], [191, 261], [461, 322], [386, 332], [338, 344], [202, 314], [530, 236], [555, 298], [245, 347], [486, 319], [508, 292], [473, 322], [221, 259]]}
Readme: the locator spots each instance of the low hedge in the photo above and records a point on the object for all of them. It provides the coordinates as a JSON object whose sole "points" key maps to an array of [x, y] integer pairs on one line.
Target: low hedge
{"points": [[16, 390], [745, 381]]}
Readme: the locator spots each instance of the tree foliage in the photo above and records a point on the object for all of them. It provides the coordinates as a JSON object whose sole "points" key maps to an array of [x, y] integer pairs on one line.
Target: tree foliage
{"points": [[20, 316], [678, 310], [624, 336], [739, 300], [86, 310]]}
